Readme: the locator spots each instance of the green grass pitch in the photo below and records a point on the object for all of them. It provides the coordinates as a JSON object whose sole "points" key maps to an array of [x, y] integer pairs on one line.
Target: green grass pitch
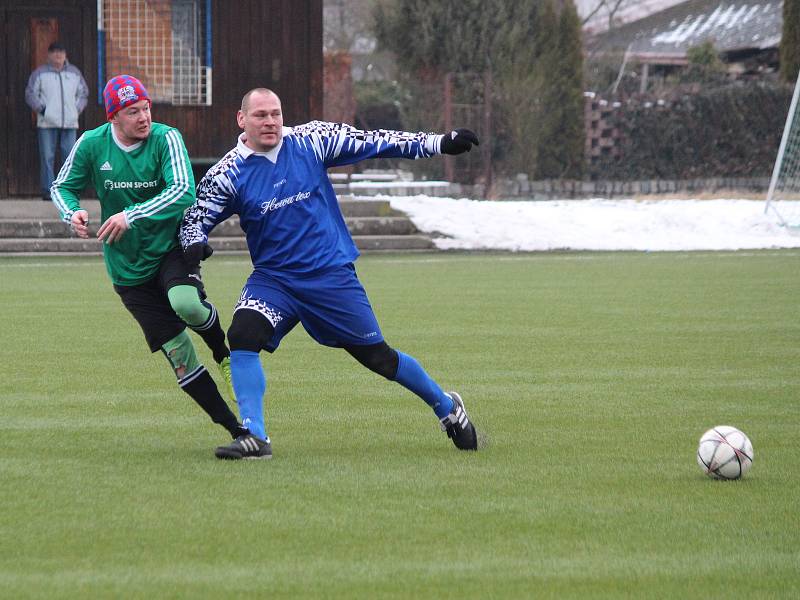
{"points": [[592, 376]]}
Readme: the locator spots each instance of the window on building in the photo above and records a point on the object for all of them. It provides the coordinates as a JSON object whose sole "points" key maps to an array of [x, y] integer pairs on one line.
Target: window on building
{"points": [[164, 43]]}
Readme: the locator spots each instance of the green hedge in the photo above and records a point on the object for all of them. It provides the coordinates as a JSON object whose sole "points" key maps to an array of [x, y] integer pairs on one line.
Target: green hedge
{"points": [[730, 131]]}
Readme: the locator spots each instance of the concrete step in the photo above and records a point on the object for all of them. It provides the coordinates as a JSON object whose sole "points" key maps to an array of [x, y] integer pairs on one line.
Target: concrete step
{"points": [[50, 245], [388, 225], [382, 226], [366, 208], [224, 244], [368, 243], [402, 188], [363, 242], [32, 226], [23, 228], [35, 209]]}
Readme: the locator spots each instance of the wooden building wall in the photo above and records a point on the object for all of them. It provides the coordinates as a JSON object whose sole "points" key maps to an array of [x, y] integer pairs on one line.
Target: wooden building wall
{"points": [[270, 43]]}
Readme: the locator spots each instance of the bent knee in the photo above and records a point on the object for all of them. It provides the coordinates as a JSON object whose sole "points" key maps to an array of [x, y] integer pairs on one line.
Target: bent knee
{"points": [[249, 330], [192, 315], [379, 358], [187, 304]]}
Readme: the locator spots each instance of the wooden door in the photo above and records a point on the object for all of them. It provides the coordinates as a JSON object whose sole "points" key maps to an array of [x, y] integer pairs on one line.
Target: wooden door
{"points": [[29, 31]]}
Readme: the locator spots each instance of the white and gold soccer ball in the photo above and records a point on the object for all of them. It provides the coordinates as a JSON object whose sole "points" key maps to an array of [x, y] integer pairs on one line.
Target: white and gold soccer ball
{"points": [[725, 453]]}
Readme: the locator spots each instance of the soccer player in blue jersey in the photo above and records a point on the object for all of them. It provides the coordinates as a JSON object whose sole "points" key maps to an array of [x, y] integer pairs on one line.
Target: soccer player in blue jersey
{"points": [[275, 179]]}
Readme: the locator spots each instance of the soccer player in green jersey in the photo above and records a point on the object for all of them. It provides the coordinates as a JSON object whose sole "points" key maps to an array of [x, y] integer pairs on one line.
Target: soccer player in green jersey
{"points": [[141, 173]]}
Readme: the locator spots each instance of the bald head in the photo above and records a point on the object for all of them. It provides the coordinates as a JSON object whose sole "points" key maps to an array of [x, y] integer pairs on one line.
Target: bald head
{"points": [[261, 118], [261, 91]]}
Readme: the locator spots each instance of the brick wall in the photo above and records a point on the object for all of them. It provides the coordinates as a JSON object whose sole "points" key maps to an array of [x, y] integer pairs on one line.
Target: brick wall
{"points": [[601, 136], [339, 104], [139, 43]]}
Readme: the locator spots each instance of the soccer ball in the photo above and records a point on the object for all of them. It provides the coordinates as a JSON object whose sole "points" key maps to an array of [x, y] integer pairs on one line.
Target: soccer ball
{"points": [[725, 453]]}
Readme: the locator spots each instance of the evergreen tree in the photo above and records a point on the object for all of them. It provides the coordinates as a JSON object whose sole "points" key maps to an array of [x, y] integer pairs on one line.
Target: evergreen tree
{"points": [[518, 103], [572, 136], [790, 40], [550, 114]]}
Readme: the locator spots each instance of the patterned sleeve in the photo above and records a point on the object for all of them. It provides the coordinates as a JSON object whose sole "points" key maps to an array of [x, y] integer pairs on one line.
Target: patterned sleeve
{"points": [[216, 194], [337, 144]]}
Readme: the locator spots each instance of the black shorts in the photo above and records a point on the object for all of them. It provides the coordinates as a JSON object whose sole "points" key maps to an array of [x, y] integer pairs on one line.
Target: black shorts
{"points": [[148, 302]]}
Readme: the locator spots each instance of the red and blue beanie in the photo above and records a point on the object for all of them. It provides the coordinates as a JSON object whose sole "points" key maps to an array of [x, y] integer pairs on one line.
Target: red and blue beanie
{"points": [[122, 91]]}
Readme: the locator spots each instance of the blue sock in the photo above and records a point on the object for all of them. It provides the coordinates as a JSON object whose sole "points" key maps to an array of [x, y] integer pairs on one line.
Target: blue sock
{"points": [[412, 376], [250, 385]]}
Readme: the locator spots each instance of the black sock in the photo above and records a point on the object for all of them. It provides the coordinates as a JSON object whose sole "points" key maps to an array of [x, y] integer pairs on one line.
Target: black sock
{"points": [[201, 387], [213, 336]]}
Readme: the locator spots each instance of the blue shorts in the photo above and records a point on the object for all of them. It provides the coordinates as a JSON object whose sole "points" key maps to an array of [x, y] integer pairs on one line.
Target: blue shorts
{"points": [[332, 306]]}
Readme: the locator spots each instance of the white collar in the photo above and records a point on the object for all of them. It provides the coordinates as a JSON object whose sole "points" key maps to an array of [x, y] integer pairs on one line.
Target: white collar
{"points": [[122, 146], [271, 155]]}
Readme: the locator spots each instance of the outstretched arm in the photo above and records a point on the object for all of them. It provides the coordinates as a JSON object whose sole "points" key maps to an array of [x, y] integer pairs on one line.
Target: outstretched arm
{"points": [[458, 141], [337, 144]]}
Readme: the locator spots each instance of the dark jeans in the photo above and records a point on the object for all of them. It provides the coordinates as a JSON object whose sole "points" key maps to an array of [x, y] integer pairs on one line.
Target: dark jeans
{"points": [[49, 138]]}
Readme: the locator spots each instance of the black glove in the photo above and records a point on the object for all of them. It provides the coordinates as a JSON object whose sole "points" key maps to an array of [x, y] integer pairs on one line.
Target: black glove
{"points": [[458, 141], [194, 253]]}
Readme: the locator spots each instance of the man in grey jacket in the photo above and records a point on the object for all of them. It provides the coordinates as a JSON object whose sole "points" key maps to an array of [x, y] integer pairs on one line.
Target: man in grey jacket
{"points": [[57, 92]]}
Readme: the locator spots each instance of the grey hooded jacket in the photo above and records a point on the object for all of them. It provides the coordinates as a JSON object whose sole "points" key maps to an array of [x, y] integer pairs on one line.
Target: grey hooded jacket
{"points": [[58, 97]]}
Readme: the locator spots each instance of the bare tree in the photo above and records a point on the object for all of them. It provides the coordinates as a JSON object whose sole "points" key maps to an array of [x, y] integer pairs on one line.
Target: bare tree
{"points": [[608, 8], [347, 24]]}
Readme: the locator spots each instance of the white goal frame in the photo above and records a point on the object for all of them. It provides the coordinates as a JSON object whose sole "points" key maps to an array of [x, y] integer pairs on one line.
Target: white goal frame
{"points": [[787, 129]]}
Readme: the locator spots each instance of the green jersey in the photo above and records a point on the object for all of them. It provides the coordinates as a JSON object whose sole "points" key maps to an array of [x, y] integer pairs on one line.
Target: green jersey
{"points": [[151, 182]]}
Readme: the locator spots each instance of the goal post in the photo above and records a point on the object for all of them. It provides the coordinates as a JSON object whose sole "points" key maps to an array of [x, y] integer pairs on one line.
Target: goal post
{"points": [[785, 181]]}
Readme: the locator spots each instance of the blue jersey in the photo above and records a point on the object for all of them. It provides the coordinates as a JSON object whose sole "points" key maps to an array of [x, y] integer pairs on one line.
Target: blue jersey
{"points": [[285, 201]]}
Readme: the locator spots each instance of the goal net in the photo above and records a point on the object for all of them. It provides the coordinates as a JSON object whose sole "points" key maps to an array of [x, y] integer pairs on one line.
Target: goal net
{"points": [[783, 197]]}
